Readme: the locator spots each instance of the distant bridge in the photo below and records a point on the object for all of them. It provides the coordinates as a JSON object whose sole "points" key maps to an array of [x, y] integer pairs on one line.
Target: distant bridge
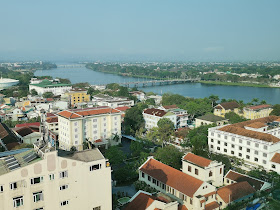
{"points": [[70, 66], [158, 82]]}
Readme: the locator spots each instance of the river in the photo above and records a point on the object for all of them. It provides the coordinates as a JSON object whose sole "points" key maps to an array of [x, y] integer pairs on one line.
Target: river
{"points": [[196, 90]]}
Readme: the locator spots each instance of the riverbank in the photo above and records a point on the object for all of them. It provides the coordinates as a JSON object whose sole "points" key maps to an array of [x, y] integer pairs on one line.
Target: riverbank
{"points": [[236, 84]]}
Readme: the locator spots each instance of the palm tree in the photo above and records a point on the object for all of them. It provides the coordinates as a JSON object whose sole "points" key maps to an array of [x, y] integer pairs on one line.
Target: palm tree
{"points": [[213, 99], [255, 100], [263, 102]]}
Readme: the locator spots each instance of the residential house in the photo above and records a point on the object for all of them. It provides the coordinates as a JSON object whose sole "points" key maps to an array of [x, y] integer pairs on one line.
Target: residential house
{"points": [[209, 119], [157, 98], [28, 134], [226, 107], [98, 125], [77, 95], [153, 115], [8, 139], [52, 122], [141, 96], [257, 142], [113, 102], [50, 86], [55, 180], [255, 112]]}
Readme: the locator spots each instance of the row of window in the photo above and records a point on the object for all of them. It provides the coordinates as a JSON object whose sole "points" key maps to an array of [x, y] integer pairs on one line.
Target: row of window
{"points": [[196, 171]]}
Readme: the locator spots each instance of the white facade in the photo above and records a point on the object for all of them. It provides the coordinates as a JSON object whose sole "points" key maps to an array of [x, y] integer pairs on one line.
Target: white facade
{"points": [[112, 102], [152, 120], [94, 127], [56, 90], [254, 151], [79, 181]]}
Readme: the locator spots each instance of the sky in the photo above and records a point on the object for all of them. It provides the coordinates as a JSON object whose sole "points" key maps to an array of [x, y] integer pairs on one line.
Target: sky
{"points": [[140, 30]]}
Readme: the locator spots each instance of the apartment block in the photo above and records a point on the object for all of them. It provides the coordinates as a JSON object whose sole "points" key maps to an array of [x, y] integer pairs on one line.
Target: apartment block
{"points": [[55, 180], [77, 95], [97, 125], [113, 102], [257, 142], [255, 112]]}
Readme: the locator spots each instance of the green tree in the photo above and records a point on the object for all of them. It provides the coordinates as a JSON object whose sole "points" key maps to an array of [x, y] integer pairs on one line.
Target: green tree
{"points": [[34, 92], [165, 130], [123, 91], [113, 86], [263, 102], [150, 101], [170, 155], [133, 120], [137, 147], [48, 95], [64, 81], [255, 100], [153, 134], [115, 155], [276, 110], [213, 99], [234, 118]]}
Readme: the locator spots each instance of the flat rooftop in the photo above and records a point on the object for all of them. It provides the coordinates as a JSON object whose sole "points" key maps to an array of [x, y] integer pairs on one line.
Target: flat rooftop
{"points": [[85, 155]]}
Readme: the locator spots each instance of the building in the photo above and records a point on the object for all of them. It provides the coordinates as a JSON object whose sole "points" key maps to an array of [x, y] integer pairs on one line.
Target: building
{"points": [[113, 102], [191, 192], [223, 108], [97, 125], [255, 112], [141, 96], [153, 115], [50, 86], [157, 98], [209, 119], [28, 134], [7, 83], [77, 95], [234, 177], [257, 142], [8, 139], [203, 169], [234, 193], [52, 122], [55, 180]]}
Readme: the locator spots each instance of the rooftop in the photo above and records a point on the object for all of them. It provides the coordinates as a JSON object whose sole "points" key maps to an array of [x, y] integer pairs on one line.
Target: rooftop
{"points": [[259, 107], [228, 105], [211, 206], [235, 191], [122, 108], [171, 107], [141, 202], [84, 156], [276, 158], [172, 177], [211, 118], [24, 131], [197, 160], [156, 112], [78, 113], [256, 125], [46, 83], [27, 124], [239, 129], [235, 176]]}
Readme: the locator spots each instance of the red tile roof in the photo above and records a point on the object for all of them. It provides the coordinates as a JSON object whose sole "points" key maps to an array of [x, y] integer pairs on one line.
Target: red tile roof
{"points": [[197, 160], [171, 107], [24, 131], [237, 177], [52, 119], [98, 141], [211, 206], [229, 105], [235, 191], [263, 106], [172, 177], [72, 114], [141, 202], [27, 124], [182, 207], [256, 125], [122, 108], [276, 158], [51, 115], [156, 112], [209, 194], [238, 128]]}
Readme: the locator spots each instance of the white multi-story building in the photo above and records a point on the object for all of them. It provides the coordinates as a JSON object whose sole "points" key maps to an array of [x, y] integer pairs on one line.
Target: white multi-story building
{"points": [[257, 142], [56, 180], [48, 86], [152, 116], [113, 102], [97, 125]]}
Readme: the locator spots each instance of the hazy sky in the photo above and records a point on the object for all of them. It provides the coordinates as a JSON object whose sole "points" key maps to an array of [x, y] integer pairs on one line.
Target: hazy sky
{"points": [[198, 30]]}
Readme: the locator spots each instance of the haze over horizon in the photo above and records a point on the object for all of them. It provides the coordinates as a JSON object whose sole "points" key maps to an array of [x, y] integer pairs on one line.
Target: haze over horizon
{"points": [[145, 30]]}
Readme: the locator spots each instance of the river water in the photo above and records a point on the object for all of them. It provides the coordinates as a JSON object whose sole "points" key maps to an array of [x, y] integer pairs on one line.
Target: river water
{"points": [[196, 90]]}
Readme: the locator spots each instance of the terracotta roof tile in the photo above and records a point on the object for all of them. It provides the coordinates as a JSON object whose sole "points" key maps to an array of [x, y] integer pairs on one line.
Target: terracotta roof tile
{"points": [[209, 194], [263, 106], [211, 206], [52, 119], [171, 107], [237, 177], [276, 158], [235, 191], [122, 108], [141, 202], [182, 207], [27, 124], [197, 160], [229, 105], [156, 112], [256, 125], [171, 177]]}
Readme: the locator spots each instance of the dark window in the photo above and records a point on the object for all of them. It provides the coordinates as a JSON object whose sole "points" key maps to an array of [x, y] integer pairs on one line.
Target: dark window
{"points": [[196, 171], [143, 175], [212, 140], [221, 170], [247, 156], [154, 181], [225, 144], [232, 152], [256, 159], [149, 178], [212, 146], [240, 148], [219, 142], [218, 148], [210, 173], [225, 150], [273, 166], [240, 155], [248, 150], [232, 146], [189, 168]]}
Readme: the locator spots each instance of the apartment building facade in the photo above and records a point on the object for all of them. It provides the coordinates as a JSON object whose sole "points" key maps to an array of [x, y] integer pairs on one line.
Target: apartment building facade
{"points": [[113, 102], [80, 180], [77, 95], [257, 142], [97, 125], [255, 112]]}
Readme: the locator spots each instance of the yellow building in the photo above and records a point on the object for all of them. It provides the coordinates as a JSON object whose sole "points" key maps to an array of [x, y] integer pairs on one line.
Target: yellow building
{"points": [[78, 95], [255, 112], [223, 108]]}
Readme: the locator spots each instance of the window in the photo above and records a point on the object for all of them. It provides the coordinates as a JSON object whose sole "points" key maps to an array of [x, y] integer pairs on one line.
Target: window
{"points": [[232, 152], [163, 186], [94, 126], [76, 129], [210, 173], [97, 208], [256, 145], [248, 150], [191, 201], [219, 135], [37, 196], [264, 161], [1, 188], [196, 171], [247, 156], [18, 201], [240, 148], [63, 174], [256, 152], [154, 181], [94, 120], [189, 168], [212, 134], [104, 118], [143, 175], [149, 178], [51, 176], [42, 208], [64, 203], [219, 142], [225, 144], [37, 180], [221, 170], [13, 186], [240, 155], [63, 187], [273, 166], [248, 143], [265, 147], [75, 123], [225, 137], [264, 154], [218, 148], [233, 139], [212, 140], [240, 141], [212, 146], [225, 150], [232, 146], [95, 167], [104, 130], [256, 159]]}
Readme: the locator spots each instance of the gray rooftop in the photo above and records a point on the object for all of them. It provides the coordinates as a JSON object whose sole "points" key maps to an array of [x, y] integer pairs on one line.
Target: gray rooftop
{"points": [[211, 118], [85, 155]]}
